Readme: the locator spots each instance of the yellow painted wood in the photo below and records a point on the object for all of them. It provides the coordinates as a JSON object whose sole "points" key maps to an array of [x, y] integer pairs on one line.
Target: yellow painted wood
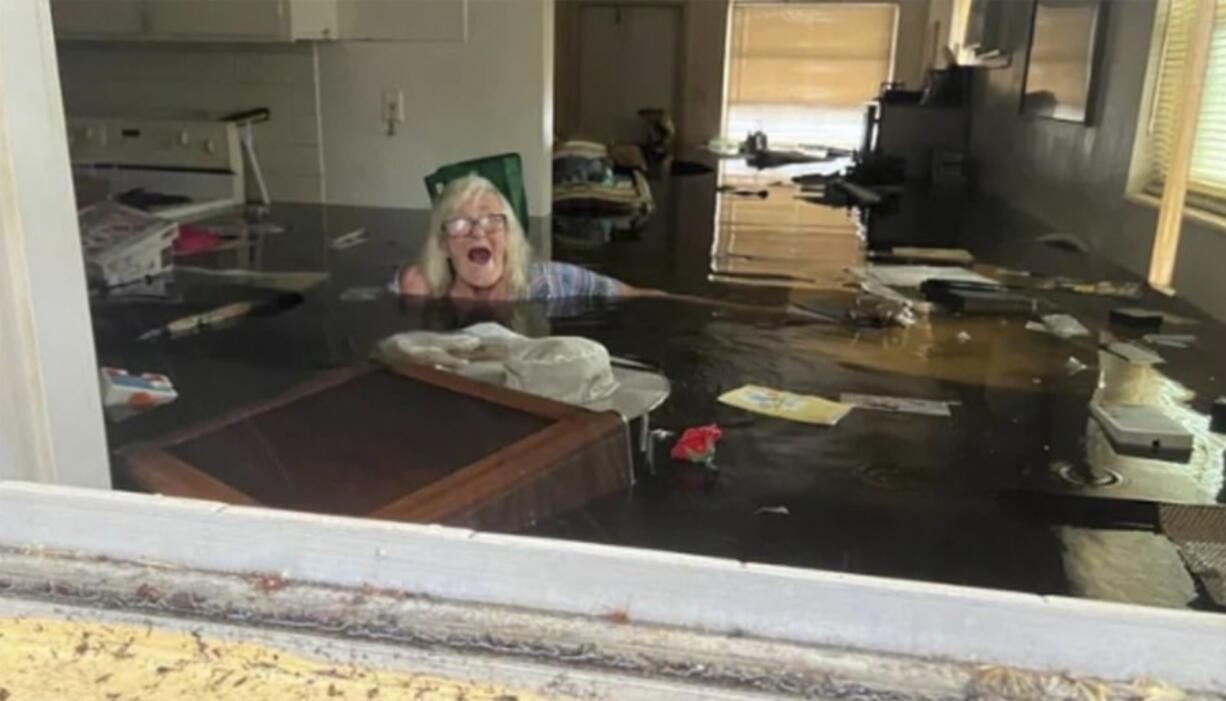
{"points": [[1169, 60], [1174, 193], [59, 659]]}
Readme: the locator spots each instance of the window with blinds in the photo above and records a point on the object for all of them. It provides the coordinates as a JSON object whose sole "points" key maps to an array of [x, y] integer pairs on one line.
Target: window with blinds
{"points": [[1207, 174], [803, 72]]}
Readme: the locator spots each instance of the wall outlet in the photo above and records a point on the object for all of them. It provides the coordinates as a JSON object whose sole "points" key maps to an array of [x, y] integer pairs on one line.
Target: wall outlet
{"points": [[393, 106]]}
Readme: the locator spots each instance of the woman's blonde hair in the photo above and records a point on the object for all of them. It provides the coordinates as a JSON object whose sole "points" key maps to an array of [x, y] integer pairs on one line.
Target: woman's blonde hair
{"points": [[433, 262]]}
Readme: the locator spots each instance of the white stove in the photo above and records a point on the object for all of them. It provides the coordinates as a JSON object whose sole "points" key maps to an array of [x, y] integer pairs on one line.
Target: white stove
{"points": [[200, 161]]}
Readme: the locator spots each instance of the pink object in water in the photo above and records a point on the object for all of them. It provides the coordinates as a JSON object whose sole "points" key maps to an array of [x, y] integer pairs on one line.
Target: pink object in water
{"points": [[195, 239]]}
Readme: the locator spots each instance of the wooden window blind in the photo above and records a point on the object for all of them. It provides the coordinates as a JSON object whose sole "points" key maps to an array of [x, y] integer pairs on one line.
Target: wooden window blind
{"points": [[1207, 176], [802, 72]]}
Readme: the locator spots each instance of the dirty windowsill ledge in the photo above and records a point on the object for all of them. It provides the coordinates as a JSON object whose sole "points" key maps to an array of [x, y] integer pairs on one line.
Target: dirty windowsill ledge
{"points": [[1200, 216]]}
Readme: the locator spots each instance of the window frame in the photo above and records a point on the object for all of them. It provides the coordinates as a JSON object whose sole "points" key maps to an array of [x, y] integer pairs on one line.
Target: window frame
{"points": [[1205, 205], [730, 28], [437, 565]]}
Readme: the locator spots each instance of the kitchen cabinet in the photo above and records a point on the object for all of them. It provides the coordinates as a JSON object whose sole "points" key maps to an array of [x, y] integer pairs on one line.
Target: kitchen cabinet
{"points": [[196, 20], [99, 18]]}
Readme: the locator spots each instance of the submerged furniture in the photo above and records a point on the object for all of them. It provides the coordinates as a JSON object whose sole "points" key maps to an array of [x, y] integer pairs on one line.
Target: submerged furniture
{"points": [[917, 133], [408, 443]]}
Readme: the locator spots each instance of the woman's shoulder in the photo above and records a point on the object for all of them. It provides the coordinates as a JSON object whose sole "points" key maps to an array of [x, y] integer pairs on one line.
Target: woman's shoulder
{"points": [[556, 279], [556, 273]]}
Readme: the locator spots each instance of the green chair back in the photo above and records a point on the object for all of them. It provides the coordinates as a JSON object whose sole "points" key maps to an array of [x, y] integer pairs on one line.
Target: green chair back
{"points": [[505, 171]]}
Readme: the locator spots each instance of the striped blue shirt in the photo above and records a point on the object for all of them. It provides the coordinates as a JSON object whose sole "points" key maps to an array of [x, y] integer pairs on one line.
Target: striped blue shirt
{"points": [[553, 280]]}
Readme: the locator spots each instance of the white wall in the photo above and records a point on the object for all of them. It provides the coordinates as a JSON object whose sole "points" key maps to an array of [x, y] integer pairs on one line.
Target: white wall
{"points": [[1074, 176], [396, 20], [491, 94], [50, 412]]}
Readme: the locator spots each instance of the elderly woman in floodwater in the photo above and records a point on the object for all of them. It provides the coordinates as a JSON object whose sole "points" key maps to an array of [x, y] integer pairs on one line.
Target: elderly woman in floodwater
{"points": [[476, 250]]}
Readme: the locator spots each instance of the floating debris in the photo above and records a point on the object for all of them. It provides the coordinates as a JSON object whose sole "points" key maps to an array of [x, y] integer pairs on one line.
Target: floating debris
{"points": [[125, 395], [356, 237], [1171, 340], [698, 444], [1135, 354], [951, 256], [1058, 325], [1136, 318], [901, 405], [1106, 288], [881, 306], [362, 294], [786, 405], [1064, 326], [915, 275], [1074, 366]]}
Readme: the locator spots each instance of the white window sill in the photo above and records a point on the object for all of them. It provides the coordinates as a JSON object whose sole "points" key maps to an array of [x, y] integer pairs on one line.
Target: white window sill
{"points": [[1211, 220]]}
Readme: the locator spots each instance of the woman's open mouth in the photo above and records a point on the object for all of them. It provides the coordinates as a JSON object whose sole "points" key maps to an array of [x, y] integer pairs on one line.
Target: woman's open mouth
{"points": [[480, 255]]}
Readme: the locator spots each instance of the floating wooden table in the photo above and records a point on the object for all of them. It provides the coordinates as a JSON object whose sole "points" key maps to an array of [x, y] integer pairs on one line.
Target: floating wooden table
{"points": [[409, 443]]}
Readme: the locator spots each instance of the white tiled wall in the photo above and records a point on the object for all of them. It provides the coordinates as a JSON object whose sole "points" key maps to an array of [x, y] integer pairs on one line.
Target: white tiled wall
{"points": [[491, 94], [203, 81]]}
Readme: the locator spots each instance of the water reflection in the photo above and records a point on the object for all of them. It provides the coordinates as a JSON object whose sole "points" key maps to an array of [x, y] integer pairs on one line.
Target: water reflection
{"points": [[1134, 566]]}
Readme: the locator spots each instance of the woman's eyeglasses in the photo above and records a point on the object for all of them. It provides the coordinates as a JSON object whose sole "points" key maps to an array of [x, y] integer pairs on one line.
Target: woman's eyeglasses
{"points": [[464, 226]]}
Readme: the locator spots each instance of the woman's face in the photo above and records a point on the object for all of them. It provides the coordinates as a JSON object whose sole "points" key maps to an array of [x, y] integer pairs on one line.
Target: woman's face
{"points": [[480, 255]]}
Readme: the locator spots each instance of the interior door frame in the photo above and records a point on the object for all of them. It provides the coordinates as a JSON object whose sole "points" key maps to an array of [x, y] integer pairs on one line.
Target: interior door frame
{"points": [[680, 84]]}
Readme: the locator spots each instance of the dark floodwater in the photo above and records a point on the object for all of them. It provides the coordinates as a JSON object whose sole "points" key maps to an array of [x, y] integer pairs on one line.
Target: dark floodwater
{"points": [[884, 494]]}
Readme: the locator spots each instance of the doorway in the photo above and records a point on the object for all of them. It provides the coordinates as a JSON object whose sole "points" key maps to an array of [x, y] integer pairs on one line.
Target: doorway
{"points": [[627, 60]]}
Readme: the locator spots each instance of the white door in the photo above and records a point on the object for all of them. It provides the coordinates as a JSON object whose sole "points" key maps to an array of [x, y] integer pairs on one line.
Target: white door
{"points": [[627, 61]]}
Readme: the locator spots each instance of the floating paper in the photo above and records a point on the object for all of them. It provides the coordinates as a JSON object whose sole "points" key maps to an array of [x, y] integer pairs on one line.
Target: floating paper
{"points": [[1074, 366], [1059, 325], [1065, 326], [356, 237], [1135, 354], [1037, 326], [786, 405], [1171, 340]]}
